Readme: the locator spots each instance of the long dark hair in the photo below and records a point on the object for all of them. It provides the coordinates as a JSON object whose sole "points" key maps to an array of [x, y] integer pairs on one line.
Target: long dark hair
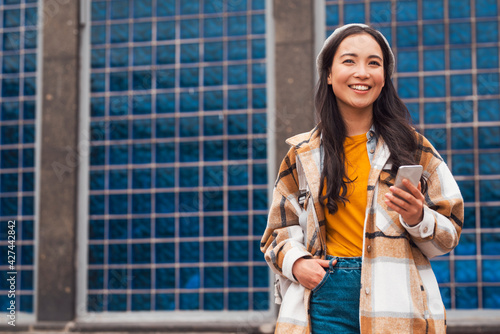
{"points": [[391, 119]]}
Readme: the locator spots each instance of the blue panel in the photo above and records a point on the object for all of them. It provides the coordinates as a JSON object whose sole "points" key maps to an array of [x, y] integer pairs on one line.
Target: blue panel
{"points": [[117, 302], [433, 34], [407, 36], [166, 8], [489, 217], [441, 270], [486, 8], [213, 301], [141, 302], [434, 60], [407, 10], [237, 74], [463, 164], [488, 110], [434, 86], [408, 87], [165, 278], [467, 188], [189, 101], [238, 225], [165, 54], [237, 99], [213, 51], [467, 245], [238, 200], [491, 297], [165, 253], [98, 11], [408, 61], [190, 7], [489, 190], [432, 9], [213, 125], [214, 277], [465, 271], [260, 199], [165, 103], [437, 137], [142, 8], [489, 137], [466, 297], [189, 77], [460, 58], [213, 226], [489, 163], [490, 242], [237, 50], [460, 33], [258, 24], [212, 76], [165, 127], [237, 124], [258, 49], [354, 13], [238, 277], [487, 32], [165, 228], [462, 138], [190, 28], [119, 9], [462, 111], [487, 57], [141, 279], [189, 53], [213, 251], [461, 85], [189, 227], [237, 25], [488, 84], [459, 9], [189, 127], [237, 175], [380, 12], [165, 202], [238, 301], [165, 302]]}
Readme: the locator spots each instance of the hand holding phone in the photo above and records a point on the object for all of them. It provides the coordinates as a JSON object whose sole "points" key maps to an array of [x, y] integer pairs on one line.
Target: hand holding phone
{"points": [[410, 172]]}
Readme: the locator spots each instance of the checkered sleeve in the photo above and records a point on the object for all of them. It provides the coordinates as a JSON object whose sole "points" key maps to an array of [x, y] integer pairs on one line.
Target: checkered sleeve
{"points": [[283, 239], [440, 229]]}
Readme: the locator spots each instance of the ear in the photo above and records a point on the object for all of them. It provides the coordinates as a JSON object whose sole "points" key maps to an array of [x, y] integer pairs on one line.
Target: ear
{"points": [[329, 79]]}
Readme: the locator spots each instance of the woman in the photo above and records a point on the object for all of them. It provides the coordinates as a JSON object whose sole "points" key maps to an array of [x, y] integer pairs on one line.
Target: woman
{"points": [[351, 250]]}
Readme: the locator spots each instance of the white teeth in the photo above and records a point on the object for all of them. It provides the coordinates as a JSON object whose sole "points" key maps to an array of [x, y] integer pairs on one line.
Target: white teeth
{"points": [[360, 87]]}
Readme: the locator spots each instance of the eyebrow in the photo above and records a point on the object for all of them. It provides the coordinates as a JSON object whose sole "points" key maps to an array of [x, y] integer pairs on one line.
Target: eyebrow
{"points": [[356, 55]]}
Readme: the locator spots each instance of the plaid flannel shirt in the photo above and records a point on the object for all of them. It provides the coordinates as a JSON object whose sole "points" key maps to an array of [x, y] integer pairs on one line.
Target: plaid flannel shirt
{"points": [[399, 291]]}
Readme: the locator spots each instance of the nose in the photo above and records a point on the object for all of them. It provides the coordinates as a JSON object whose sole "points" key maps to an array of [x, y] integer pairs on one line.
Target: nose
{"points": [[361, 72]]}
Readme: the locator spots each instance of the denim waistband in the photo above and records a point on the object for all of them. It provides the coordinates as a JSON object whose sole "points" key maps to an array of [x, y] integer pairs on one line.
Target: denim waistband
{"points": [[346, 262]]}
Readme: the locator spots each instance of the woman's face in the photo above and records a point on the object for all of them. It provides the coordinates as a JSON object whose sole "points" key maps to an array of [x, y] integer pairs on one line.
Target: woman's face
{"points": [[357, 73]]}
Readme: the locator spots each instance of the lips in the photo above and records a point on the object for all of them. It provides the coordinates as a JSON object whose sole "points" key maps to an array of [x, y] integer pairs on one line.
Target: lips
{"points": [[360, 87]]}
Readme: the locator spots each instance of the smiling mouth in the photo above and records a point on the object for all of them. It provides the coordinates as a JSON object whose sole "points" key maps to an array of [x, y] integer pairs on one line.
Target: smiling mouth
{"points": [[360, 87]]}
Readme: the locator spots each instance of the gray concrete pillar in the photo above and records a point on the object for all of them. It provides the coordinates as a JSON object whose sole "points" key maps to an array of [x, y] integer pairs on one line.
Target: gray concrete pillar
{"points": [[59, 161], [294, 70]]}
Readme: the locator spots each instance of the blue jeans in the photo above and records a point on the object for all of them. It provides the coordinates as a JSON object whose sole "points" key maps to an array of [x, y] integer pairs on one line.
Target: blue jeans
{"points": [[334, 304]]}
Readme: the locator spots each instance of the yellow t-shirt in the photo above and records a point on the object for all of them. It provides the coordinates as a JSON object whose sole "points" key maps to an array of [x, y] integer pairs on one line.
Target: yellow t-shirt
{"points": [[344, 229]]}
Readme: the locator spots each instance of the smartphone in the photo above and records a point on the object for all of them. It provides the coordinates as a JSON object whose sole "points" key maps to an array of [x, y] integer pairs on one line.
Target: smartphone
{"points": [[410, 172]]}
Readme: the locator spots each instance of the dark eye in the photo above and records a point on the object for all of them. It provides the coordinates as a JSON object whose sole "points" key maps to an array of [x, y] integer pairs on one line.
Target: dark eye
{"points": [[349, 61], [374, 62]]}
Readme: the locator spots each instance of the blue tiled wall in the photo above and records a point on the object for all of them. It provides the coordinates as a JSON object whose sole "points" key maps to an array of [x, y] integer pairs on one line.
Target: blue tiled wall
{"points": [[448, 74], [178, 181], [18, 61]]}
